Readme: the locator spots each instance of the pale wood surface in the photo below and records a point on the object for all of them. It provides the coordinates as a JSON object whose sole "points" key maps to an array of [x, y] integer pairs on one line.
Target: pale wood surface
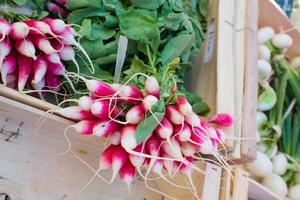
{"points": [[30, 170], [240, 185]]}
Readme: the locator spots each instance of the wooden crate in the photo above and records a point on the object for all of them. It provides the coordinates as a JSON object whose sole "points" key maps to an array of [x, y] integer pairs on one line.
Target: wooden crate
{"points": [[225, 72], [30, 168], [270, 14]]}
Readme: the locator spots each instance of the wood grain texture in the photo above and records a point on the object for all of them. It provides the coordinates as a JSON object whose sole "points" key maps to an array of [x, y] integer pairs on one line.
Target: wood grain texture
{"points": [[30, 169]]}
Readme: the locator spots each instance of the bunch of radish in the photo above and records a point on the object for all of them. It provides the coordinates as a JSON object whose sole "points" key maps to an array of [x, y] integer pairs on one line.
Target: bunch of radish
{"points": [[274, 167], [116, 111], [33, 53]]}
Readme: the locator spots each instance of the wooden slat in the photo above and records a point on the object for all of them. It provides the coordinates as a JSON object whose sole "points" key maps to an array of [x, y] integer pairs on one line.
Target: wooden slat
{"points": [[240, 185], [29, 166]]}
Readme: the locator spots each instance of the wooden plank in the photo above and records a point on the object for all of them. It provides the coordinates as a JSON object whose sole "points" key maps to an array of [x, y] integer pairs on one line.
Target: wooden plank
{"points": [[29, 166], [225, 189], [26, 99], [225, 65], [207, 183], [240, 185]]}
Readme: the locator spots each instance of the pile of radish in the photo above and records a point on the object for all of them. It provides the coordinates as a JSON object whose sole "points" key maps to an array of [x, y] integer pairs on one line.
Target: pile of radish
{"points": [[172, 142], [33, 53], [277, 120]]}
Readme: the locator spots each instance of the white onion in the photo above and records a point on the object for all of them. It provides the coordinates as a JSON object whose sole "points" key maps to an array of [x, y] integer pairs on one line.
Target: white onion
{"points": [[265, 34], [275, 183], [279, 164], [261, 120], [261, 167], [267, 99], [294, 192], [282, 41], [264, 53], [264, 70]]}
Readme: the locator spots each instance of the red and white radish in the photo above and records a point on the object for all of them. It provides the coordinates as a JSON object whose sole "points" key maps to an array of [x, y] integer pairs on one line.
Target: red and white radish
{"points": [[149, 101], [174, 115], [152, 86], [25, 47], [127, 173], [9, 65], [56, 25], [100, 108], [39, 69], [103, 128], [131, 94], [99, 88], [25, 67], [43, 44], [19, 31], [184, 106], [164, 129], [222, 119], [135, 115], [119, 158], [193, 120], [128, 138], [85, 127], [5, 28], [75, 112], [85, 102], [5, 46], [182, 133]]}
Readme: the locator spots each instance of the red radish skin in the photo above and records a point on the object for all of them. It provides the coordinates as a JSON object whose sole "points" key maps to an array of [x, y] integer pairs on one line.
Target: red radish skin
{"points": [[164, 129], [222, 119], [19, 31], [25, 67], [5, 28], [182, 133], [149, 101], [75, 113], [127, 173], [193, 120], [9, 65], [85, 102], [100, 109], [56, 69], [152, 86], [135, 115], [25, 47], [131, 94], [5, 46], [56, 9], [85, 127], [184, 106], [201, 142], [67, 53], [56, 25], [12, 77], [173, 115], [53, 58], [106, 158], [39, 69], [153, 145], [119, 158], [103, 128], [52, 82], [43, 44], [128, 138], [209, 130], [221, 135], [99, 88], [38, 27]]}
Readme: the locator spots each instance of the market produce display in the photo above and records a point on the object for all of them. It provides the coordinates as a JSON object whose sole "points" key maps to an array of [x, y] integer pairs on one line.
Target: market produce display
{"points": [[277, 164], [139, 104]]}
